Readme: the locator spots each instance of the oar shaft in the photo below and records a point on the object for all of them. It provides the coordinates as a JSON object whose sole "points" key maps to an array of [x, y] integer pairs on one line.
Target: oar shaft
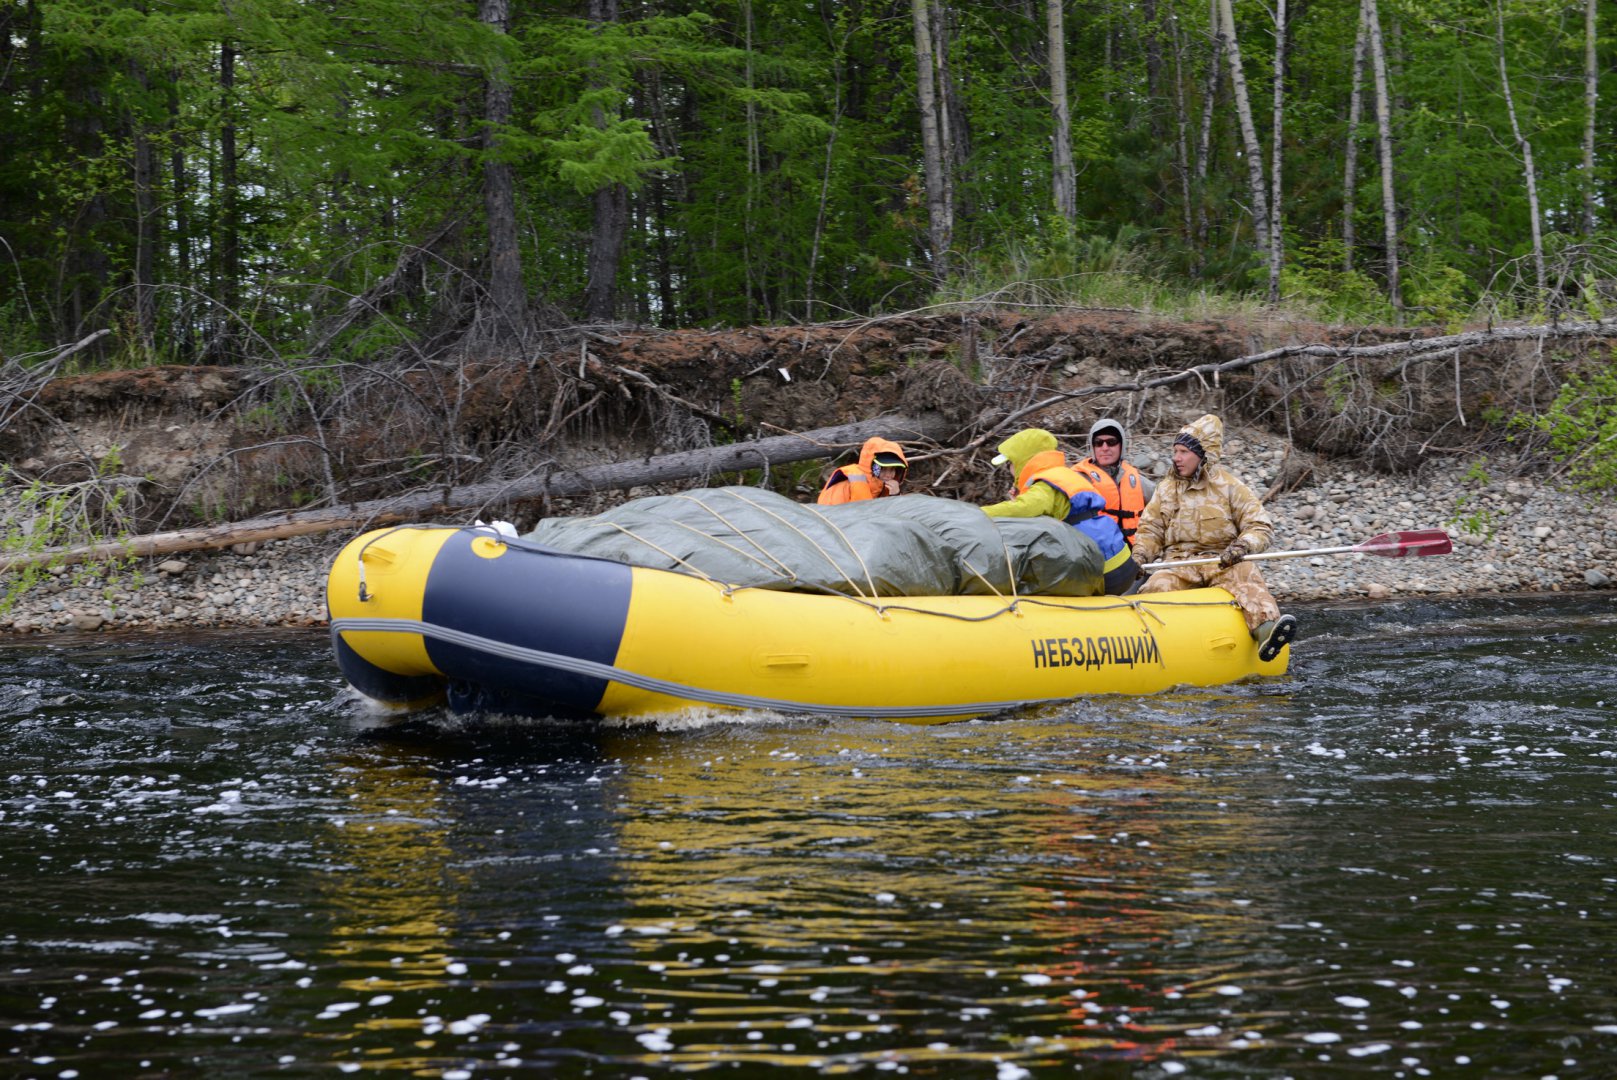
{"points": [[1250, 558], [1431, 542]]}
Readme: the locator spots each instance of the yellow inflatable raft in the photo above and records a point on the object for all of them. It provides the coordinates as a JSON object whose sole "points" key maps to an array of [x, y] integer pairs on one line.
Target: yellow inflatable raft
{"points": [[420, 614]]}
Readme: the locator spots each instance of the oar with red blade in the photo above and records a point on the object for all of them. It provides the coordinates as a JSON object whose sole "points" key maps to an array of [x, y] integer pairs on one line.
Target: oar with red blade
{"points": [[1393, 545]]}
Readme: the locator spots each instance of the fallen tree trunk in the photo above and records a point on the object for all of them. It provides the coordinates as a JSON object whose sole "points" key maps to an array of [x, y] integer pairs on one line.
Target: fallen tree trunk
{"points": [[735, 457]]}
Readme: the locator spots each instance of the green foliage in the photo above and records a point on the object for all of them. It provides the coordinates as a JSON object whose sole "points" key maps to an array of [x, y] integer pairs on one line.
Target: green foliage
{"points": [[767, 156], [621, 152], [1468, 516], [37, 518], [19, 331], [1589, 296], [1440, 293], [1581, 426], [1065, 267], [1314, 276]]}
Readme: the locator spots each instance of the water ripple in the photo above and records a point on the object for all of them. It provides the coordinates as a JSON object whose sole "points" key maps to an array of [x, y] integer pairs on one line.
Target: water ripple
{"points": [[1392, 862]]}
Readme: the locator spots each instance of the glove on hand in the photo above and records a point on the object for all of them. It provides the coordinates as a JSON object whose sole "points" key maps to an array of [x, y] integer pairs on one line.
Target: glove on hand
{"points": [[1232, 554]]}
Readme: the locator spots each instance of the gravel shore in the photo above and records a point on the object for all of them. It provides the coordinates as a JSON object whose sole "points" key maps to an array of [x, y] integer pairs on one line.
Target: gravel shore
{"points": [[1524, 536]]}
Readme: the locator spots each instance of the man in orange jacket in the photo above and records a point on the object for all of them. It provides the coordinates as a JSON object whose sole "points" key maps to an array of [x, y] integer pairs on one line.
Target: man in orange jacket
{"points": [[880, 472]]}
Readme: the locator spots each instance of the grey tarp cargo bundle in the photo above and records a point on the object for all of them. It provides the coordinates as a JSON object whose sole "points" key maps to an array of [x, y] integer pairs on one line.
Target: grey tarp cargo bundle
{"points": [[906, 545]]}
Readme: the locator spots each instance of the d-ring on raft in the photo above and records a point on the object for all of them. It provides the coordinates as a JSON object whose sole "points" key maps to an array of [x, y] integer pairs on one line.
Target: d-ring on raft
{"points": [[493, 624]]}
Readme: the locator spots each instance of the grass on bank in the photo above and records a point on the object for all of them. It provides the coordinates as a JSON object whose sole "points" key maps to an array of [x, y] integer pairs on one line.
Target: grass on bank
{"points": [[1318, 283], [37, 517]]}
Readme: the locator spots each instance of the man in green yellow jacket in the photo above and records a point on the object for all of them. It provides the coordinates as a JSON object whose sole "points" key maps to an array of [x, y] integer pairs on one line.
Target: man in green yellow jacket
{"points": [[1047, 487]]}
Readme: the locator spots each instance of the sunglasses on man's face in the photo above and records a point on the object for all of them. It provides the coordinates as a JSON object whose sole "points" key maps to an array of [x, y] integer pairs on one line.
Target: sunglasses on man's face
{"points": [[1105, 441]]}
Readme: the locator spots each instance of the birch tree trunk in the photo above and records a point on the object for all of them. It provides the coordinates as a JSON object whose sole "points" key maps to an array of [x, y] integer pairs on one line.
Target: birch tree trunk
{"points": [[1182, 137], [1350, 168], [1215, 68], [1277, 243], [940, 215], [146, 217], [1529, 174], [825, 195], [951, 112], [1249, 132], [753, 164], [610, 222], [499, 186], [1063, 184], [1389, 204], [227, 283], [1591, 95]]}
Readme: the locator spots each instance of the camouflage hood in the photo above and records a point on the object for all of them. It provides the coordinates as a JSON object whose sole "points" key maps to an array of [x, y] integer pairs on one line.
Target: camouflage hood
{"points": [[1203, 515], [1208, 434]]}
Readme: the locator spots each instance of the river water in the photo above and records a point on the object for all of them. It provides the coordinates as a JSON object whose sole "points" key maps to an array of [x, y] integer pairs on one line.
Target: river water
{"points": [[1397, 861]]}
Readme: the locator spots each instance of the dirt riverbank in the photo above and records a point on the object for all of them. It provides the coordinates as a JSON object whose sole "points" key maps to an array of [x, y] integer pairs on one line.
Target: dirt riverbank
{"points": [[1525, 536], [1342, 446]]}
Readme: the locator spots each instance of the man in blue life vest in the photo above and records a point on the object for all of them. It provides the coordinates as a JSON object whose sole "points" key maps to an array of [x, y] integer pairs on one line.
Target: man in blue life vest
{"points": [[1125, 489], [1046, 487]]}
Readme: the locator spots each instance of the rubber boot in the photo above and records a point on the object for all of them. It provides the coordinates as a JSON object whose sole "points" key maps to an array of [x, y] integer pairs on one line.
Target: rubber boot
{"points": [[1274, 635]]}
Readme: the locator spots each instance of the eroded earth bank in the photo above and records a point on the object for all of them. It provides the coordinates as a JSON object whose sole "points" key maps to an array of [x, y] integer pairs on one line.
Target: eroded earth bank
{"points": [[1346, 433]]}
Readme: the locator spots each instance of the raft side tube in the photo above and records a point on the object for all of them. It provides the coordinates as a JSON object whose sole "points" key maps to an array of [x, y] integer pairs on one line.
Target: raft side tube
{"points": [[919, 659], [408, 692], [526, 599], [381, 574]]}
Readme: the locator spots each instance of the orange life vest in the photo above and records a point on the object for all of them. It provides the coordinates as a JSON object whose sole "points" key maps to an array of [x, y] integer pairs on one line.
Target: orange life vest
{"points": [[1125, 496], [1051, 468], [848, 484], [1088, 515]]}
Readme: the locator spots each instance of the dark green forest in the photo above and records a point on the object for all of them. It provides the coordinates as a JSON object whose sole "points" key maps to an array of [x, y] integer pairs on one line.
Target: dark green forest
{"points": [[214, 180]]}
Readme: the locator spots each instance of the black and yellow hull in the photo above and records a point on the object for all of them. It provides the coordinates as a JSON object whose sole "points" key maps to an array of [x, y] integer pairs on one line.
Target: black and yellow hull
{"points": [[421, 614]]}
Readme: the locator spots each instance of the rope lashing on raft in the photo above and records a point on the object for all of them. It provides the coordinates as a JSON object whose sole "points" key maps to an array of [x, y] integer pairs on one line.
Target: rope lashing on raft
{"points": [[780, 565], [593, 669], [1140, 606], [869, 580], [696, 571]]}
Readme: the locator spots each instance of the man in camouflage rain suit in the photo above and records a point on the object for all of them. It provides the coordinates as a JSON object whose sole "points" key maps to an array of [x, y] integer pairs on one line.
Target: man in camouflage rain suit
{"points": [[1202, 510]]}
